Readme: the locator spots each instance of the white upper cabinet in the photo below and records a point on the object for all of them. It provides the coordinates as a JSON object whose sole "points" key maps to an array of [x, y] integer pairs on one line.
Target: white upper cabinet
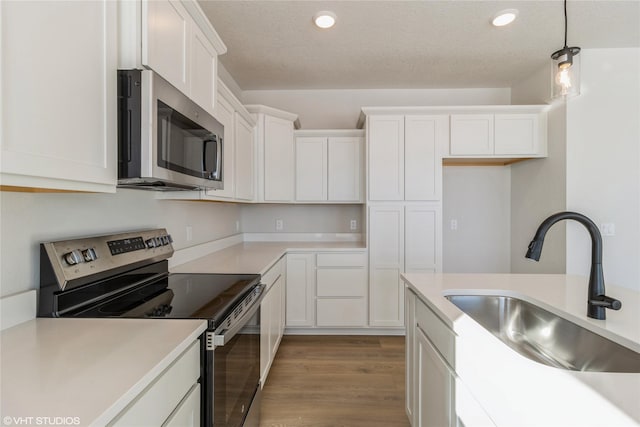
{"points": [[176, 40], [275, 153], [245, 158], [405, 156], [515, 131], [385, 137], [166, 41], [58, 95], [329, 166], [311, 169]]}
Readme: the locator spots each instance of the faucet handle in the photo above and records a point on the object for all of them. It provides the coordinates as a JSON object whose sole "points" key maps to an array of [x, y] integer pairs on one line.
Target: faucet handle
{"points": [[606, 302]]}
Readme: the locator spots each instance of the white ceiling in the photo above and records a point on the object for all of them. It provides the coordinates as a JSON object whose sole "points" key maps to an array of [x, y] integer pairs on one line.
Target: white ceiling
{"points": [[407, 44]]}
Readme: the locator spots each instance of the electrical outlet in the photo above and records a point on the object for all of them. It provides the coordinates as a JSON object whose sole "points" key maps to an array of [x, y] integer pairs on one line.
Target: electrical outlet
{"points": [[279, 225], [454, 224], [353, 224], [189, 233]]}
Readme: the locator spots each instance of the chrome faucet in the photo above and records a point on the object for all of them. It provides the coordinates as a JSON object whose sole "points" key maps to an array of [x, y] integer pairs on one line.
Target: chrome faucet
{"points": [[597, 301]]}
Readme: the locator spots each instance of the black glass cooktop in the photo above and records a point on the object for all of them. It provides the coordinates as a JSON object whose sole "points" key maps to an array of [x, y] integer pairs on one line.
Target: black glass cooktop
{"points": [[178, 296]]}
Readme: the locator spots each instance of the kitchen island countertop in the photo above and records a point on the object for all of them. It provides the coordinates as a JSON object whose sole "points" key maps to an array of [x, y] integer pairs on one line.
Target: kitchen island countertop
{"points": [[514, 390]]}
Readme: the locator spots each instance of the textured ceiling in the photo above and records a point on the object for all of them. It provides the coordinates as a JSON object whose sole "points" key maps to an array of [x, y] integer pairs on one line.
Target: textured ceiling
{"points": [[407, 44]]}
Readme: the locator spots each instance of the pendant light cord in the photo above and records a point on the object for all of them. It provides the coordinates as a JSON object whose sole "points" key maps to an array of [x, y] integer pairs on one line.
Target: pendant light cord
{"points": [[565, 23]]}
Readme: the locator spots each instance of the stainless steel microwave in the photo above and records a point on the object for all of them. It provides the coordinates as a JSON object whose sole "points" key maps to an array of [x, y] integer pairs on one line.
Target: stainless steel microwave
{"points": [[165, 141]]}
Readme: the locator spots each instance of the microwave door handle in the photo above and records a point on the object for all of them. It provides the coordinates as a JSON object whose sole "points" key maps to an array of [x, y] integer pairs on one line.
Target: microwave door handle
{"points": [[218, 174], [204, 156]]}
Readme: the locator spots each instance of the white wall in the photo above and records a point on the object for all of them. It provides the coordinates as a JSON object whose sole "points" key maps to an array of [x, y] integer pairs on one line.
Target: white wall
{"points": [[340, 109], [603, 162], [301, 218], [26, 219], [478, 198]]}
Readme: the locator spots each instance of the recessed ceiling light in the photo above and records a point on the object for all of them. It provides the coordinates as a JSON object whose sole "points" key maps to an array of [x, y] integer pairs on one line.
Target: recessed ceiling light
{"points": [[325, 19], [504, 17]]}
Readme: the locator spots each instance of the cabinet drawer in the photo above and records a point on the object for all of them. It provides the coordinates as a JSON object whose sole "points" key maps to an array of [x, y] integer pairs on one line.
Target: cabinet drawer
{"points": [[341, 312], [187, 414], [270, 277], [341, 282], [154, 405], [342, 260], [438, 333]]}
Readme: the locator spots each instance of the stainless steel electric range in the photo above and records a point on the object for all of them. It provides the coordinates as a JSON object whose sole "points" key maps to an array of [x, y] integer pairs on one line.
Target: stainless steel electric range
{"points": [[126, 276]]}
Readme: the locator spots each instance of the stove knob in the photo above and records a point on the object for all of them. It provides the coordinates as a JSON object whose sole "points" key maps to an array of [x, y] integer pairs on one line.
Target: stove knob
{"points": [[73, 257], [151, 243], [165, 240], [158, 241], [170, 238], [89, 255]]}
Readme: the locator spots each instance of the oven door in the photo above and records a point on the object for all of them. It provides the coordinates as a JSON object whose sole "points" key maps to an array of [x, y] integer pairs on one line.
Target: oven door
{"points": [[233, 400]]}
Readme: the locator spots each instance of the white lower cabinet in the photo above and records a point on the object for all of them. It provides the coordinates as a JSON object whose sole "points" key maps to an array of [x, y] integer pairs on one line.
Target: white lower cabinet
{"points": [[435, 396], [172, 399], [271, 317], [327, 290]]}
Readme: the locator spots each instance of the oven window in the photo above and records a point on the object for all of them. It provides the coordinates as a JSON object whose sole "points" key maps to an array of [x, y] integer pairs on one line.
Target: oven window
{"points": [[186, 147], [236, 375]]}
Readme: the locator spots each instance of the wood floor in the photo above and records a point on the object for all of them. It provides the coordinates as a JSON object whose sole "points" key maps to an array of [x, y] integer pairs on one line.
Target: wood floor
{"points": [[349, 381]]}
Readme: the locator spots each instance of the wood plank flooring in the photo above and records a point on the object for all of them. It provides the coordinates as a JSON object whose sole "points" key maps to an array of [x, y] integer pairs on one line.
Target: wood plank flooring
{"points": [[322, 381]]}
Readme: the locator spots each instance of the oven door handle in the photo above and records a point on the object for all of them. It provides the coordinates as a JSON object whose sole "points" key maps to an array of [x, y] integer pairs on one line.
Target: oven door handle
{"points": [[223, 335]]}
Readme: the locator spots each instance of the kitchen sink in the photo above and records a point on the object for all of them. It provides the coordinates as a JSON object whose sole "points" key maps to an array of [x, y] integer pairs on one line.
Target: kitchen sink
{"points": [[545, 337]]}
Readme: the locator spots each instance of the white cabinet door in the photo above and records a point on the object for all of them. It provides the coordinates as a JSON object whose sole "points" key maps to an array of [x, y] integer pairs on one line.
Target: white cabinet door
{"points": [[435, 386], [341, 312], [224, 113], [187, 414], [425, 138], [266, 308], [516, 134], [203, 71], [471, 134], [345, 169], [58, 95], [311, 169], [275, 333], [410, 333], [300, 301], [386, 249], [278, 159], [386, 157], [166, 41], [422, 238], [245, 159]]}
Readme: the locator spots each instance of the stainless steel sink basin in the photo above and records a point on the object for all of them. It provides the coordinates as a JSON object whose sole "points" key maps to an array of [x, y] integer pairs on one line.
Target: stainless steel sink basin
{"points": [[545, 337]]}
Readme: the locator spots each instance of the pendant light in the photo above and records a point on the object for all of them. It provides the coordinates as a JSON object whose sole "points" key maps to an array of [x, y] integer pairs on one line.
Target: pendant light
{"points": [[565, 68]]}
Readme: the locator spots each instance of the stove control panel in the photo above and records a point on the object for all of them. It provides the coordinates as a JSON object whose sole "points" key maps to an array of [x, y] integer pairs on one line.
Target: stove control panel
{"points": [[76, 259]]}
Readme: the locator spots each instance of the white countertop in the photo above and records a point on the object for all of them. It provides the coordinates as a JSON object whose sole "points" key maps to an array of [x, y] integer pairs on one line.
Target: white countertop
{"points": [[85, 368], [257, 257], [516, 391]]}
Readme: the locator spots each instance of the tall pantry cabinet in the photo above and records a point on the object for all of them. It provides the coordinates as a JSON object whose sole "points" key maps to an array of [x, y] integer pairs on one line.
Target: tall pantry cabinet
{"points": [[404, 197]]}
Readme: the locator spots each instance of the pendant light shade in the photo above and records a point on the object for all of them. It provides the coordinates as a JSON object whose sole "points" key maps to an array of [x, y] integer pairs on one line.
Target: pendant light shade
{"points": [[565, 68]]}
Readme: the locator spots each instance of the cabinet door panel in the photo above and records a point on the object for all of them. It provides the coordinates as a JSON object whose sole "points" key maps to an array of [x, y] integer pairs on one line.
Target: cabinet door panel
{"points": [[300, 304], [203, 68], [516, 134], [471, 134], [342, 282], [311, 168], [386, 298], [278, 160], [386, 157], [166, 37], [188, 413], [422, 238], [266, 307], [245, 159], [345, 169], [425, 137], [56, 123], [434, 393], [342, 312]]}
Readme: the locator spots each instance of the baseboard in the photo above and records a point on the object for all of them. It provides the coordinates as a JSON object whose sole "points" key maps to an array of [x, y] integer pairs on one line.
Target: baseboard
{"points": [[344, 331]]}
